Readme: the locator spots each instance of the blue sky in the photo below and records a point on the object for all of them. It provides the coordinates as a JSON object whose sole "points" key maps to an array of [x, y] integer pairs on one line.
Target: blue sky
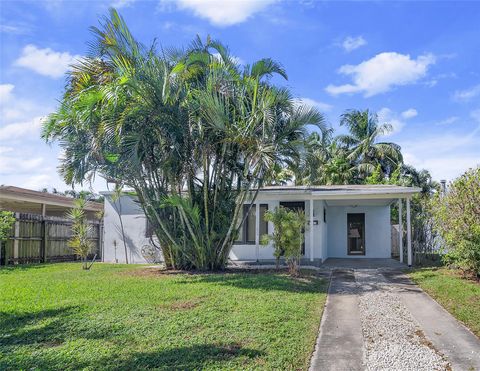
{"points": [[415, 63]]}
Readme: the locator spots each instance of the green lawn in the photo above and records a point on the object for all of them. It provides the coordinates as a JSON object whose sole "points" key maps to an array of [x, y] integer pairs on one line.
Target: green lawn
{"points": [[461, 297], [120, 317]]}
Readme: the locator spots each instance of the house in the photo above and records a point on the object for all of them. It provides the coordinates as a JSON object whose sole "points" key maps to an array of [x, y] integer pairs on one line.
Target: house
{"points": [[344, 221]]}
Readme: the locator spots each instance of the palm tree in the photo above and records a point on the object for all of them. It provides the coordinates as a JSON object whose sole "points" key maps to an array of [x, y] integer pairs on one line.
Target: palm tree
{"points": [[190, 132], [362, 142]]}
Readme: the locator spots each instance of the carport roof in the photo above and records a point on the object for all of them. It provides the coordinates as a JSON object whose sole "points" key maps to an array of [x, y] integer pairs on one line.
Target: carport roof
{"points": [[26, 200]]}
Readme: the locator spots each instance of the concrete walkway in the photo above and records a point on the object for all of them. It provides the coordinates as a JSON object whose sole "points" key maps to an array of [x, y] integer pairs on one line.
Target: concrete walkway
{"points": [[340, 344], [451, 338]]}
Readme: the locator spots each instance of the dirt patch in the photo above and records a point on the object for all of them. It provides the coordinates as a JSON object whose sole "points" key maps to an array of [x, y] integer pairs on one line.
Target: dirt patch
{"points": [[162, 272], [180, 305], [424, 341], [52, 344]]}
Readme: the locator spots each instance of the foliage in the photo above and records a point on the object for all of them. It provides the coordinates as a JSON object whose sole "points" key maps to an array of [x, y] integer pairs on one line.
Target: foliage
{"points": [[457, 219], [80, 241], [190, 131], [127, 317], [454, 293], [349, 158], [7, 219], [288, 236]]}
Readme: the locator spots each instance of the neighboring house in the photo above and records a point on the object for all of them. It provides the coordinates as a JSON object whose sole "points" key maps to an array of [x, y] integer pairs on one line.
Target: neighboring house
{"points": [[41, 230], [24, 200], [346, 221]]}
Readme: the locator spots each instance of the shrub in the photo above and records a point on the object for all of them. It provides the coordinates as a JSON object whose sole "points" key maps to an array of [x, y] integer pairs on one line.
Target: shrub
{"points": [[287, 237], [6, 222], [80, 241], [457, 219]]}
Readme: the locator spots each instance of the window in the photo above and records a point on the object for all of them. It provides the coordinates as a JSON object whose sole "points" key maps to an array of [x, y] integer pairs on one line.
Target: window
{"points": [[247, 232], [148, 228]]}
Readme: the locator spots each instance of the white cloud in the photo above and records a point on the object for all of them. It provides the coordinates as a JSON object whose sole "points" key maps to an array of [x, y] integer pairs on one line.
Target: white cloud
{"points": [[386, 115], [22, 130], [475, 115], [351, 43], [321, 106], [445, 155], [37, 182], [45, 61], [448, 120], [122, 3], [224, 13], [382, 72], [409, 113], [6, 92], [235, 59], [18, 164], [467, 94], [5, 149]]}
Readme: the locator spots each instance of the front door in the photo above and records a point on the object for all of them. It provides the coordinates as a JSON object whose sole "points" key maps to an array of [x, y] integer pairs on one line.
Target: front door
{"points": [[296, 206], [356, 234]]}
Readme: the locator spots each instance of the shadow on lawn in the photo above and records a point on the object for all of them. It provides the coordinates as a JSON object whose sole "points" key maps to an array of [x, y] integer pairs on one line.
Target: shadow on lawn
{"points": [[263, 281], [48, 328], [193, 357]]}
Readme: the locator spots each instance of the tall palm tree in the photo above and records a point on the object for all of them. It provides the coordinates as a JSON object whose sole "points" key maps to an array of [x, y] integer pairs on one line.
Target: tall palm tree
{"points": [[362, 142], [192, 133]]}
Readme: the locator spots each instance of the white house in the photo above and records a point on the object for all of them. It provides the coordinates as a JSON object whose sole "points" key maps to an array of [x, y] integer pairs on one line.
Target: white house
{"points": [[344, 221]]}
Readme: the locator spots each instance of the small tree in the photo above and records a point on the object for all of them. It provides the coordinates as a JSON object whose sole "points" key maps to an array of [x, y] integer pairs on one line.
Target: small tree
{"points": [[457, 219], [80, 241], [7, 220], [287, 237]]}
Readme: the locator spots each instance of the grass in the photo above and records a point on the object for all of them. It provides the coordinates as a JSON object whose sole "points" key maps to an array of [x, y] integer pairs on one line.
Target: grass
{"points": [[459, 296], [59, 317]]}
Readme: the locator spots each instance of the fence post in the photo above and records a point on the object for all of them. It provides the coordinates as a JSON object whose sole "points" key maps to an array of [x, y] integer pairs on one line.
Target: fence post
{"points": [[43, 248], [16, 240]]}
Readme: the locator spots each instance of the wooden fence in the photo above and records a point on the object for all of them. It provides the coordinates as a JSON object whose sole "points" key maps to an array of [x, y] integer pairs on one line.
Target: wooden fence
{"points": [[37, 239]]}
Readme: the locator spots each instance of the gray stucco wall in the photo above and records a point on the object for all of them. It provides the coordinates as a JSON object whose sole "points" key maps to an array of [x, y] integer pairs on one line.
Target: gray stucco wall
{"points": [[134, 226], [377, 231]]}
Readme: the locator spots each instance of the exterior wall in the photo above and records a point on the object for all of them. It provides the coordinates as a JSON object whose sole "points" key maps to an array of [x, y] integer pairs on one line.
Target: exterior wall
{"points": [[377, 231], [249, 251], [134, 224], [329, 239]]}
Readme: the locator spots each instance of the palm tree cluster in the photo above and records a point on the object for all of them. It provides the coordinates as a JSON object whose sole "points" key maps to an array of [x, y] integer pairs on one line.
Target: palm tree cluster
{"points": [[189, 130], [348, 158]]}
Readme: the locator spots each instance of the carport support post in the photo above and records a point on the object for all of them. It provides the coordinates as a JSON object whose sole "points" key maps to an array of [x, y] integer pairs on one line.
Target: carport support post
{"points": [[257, 230], [409, 234], [311, 229], [400, 229]]}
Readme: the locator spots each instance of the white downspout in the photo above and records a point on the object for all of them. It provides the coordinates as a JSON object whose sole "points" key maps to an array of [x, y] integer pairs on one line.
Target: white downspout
{"points": [[409, 234], [400, 229], [311, 229], [257, 230]]}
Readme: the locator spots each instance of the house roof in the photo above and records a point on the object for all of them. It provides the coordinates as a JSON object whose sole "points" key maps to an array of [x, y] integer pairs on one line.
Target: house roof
{"points": [[25, 200], [348, 188], [352, 191]]}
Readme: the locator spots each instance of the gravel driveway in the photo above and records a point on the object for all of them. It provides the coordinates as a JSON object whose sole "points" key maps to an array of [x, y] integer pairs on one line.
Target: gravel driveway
{"points": [[376, 319], [393, 340]]}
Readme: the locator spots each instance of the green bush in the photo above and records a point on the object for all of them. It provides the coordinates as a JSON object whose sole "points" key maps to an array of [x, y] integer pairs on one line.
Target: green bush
{"points": [[287, 237], [457, 219], [6, 222]]}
